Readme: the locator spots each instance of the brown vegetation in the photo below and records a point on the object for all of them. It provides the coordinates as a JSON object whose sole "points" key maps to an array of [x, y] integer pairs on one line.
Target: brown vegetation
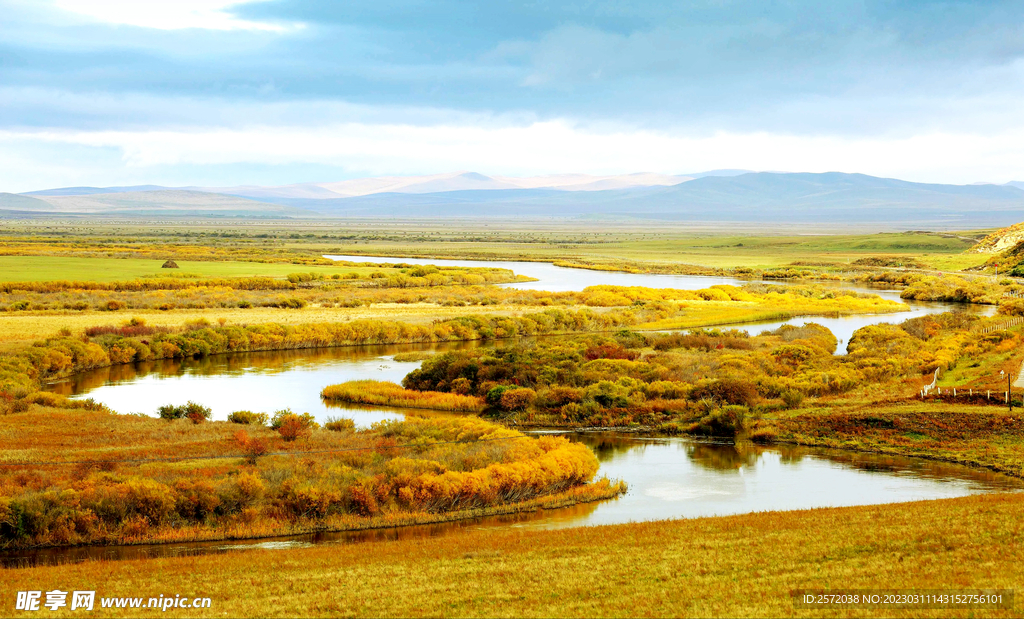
{"points": [[153, 480], [733, 566]]}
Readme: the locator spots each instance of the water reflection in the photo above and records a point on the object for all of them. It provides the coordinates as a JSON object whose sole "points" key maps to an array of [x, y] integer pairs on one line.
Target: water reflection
{"points": [[258, 381], [719, 457], [685, 478], [57, 556]]}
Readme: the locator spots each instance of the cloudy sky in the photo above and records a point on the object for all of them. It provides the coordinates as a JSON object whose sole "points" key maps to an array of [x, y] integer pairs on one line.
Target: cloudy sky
{"points": [[225, 92]]}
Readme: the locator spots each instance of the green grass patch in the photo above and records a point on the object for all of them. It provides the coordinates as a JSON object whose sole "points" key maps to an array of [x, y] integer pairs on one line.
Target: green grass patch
{"points": [[53, 268]]}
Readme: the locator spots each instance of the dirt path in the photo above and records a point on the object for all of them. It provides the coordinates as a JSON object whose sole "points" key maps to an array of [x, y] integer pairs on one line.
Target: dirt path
{"points": [[1020, 378]]}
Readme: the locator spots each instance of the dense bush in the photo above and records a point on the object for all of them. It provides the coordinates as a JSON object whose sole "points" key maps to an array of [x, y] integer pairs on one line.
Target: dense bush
{"points": [[726, 391], [725, 422], [192, 411], [280, 417], [248, 418], [340, 425], [517, 398]]}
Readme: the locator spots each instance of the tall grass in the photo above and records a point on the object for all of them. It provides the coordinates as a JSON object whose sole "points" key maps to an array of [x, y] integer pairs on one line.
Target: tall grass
{"points": [[229, 481], [383, 393]]}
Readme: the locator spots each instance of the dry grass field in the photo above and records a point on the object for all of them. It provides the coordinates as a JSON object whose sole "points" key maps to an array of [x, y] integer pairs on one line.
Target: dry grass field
{"points": [[28, 326], [717, 246], [736, 566]]}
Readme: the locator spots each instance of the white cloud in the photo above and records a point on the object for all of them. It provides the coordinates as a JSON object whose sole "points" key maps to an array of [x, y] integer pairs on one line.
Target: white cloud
{"points": [[167, 14], [537, 148]]}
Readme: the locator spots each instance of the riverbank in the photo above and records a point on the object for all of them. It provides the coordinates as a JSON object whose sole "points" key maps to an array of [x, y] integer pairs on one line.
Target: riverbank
{"points": [[726, 566], [976, 435], [77, 477]]}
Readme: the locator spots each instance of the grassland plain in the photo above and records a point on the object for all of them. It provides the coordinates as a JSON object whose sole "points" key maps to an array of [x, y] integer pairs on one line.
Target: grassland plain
{"points": [[635, 244], [943, 252], [709, 567], [53, 268]]}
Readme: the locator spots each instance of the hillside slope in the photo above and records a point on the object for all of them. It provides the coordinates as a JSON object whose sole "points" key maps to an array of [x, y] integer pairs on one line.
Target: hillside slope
{"points": [[1000, 240], [17, 202]]}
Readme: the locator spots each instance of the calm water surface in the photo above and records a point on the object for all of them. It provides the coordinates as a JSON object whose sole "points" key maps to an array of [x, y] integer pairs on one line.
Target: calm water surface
{"points": [[255, 381]]}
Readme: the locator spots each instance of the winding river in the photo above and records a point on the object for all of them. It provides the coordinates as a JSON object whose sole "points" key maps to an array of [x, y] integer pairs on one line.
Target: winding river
{"points": [[562, 279], [667, 477]]}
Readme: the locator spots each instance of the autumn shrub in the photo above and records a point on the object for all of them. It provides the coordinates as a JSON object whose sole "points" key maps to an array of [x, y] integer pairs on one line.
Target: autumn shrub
{"points": [[726, 422], [278, 419], [297, 278], [494, 394], [763, 435], [248, 418], [197, 413], [335, 424], [609, 351], [170, 412], [517, 398], [792, 398], [252, 447], [292, 426], [560, 395], [193, 411], [725, 391]]}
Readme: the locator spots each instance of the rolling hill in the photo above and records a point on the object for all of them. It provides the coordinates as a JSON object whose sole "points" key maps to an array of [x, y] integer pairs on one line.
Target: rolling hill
{"points": [[755, 197], [161, 203], [19, 202]]}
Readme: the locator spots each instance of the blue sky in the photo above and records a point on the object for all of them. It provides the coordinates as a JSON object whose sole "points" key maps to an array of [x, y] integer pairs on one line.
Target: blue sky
{"points": [[225, 92]]}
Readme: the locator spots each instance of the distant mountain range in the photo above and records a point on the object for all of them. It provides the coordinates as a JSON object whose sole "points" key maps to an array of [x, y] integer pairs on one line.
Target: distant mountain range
{"points": [[436, 183], [145, 203], [719, 196]]}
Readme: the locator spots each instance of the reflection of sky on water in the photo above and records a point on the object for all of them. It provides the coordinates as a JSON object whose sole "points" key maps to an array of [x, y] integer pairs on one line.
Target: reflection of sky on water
{"points": [[258, 381], [297, 388], [681, 478], [561, 279]]}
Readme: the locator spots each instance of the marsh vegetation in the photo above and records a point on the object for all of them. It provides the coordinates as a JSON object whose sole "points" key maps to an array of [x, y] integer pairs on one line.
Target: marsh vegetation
{"points": [[665, 360]]}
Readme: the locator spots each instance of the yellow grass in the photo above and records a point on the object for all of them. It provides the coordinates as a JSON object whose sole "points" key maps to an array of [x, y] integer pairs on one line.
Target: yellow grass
{"points": [[710, 567], [389, 394], [26, 326]]}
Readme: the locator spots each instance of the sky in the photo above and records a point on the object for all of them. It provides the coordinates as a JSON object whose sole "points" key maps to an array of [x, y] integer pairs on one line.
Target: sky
{"points": [[269, 92]]}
